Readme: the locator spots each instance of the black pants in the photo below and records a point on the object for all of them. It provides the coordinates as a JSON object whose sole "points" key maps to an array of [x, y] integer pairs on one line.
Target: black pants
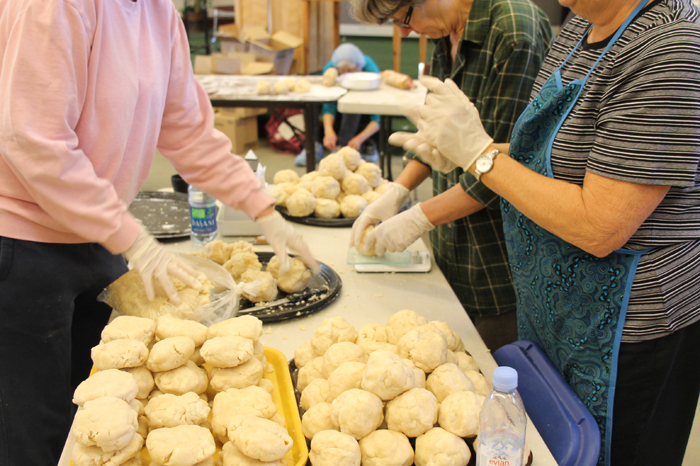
{"points": [[658, 383], [49, 321]]}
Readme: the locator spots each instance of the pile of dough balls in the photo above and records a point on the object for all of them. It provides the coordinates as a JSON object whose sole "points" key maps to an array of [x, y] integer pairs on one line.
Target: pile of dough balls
{"points": [[343, 185], [241, 261], [178, 388], [366, 392], [282, 86]]}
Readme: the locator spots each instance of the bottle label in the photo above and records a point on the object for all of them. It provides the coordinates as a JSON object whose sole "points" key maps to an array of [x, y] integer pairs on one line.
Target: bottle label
{"points": [[503, 448], [203, 219]]}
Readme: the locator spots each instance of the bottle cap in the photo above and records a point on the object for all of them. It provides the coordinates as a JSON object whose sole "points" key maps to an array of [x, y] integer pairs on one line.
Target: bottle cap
{"points": [[505, 378]]}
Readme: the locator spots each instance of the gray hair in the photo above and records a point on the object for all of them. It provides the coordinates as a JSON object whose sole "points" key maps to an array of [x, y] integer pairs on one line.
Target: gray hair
{"points": [[378, 11]]}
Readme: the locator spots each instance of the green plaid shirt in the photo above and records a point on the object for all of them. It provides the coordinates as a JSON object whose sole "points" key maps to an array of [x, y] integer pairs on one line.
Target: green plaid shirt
{"points": [[499, 55]]}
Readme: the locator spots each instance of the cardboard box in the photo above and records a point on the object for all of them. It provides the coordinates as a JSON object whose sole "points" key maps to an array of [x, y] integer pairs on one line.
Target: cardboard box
{"points": [[241, 112], [231, 62], [277, 49], [230, 40], [243, 132]]}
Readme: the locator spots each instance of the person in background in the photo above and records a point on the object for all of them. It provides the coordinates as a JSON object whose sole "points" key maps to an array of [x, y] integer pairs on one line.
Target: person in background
{"points": [[493, 50], [90, 89], [347, 129]]}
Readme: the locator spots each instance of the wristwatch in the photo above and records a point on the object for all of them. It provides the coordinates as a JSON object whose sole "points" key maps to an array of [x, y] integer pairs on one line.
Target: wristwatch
{"points": [[484, 163]]}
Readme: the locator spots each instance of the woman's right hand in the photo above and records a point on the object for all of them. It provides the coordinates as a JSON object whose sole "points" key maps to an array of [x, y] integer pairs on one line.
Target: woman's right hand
{"points": [[330, 139]]}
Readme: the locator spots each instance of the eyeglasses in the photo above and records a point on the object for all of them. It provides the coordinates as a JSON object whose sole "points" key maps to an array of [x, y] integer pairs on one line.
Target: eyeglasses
{"points": [[404, 24]]}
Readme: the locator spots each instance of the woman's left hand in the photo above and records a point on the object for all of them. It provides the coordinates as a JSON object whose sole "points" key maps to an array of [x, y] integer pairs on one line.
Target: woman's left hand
{"points": [[355, 143]]}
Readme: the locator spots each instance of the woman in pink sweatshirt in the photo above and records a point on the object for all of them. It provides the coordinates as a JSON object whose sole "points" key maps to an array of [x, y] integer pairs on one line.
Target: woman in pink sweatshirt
{"points": [[89, 90]]}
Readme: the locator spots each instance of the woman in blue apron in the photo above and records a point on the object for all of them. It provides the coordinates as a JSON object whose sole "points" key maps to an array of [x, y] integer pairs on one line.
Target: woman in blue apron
{"points": [[601, 212]]}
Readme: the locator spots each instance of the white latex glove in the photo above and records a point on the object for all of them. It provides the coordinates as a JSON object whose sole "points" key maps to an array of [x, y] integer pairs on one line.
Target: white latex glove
{"points": [[416, 143], [399, 232], [451, 123], [280, 234], [386, 206], [151, 259]]}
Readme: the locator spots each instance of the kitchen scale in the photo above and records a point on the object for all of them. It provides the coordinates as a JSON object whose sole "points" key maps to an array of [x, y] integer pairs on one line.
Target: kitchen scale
{"points": [[404, 262]]}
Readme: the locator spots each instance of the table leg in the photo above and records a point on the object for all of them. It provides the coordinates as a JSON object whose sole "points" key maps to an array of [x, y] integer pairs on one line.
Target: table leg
{"points": [[384, 148], [310, 123]]}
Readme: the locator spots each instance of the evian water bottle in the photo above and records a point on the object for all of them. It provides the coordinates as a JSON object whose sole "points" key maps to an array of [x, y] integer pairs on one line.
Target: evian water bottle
{"points": [[202, 216], [502, 422]]}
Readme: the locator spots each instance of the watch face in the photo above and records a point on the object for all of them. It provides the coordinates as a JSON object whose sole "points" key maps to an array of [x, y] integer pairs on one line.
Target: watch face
{"points": [[483, 164]]}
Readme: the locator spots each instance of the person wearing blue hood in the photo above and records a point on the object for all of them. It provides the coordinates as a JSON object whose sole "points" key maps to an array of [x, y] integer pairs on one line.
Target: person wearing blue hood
{"points": [[345, 129]]}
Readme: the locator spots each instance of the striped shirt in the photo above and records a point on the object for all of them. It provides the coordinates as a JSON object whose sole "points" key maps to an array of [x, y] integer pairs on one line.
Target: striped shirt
{"points": [[502, 49], [638, 120]]}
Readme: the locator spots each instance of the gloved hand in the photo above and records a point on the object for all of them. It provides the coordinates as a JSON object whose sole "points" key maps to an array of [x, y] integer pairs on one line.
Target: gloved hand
{"points": [[385, 207], [151, 259], [280, 234], [451, 123], [416, 143], [399, 232]]}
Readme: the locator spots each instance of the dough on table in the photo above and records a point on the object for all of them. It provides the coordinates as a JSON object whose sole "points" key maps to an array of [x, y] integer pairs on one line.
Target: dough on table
{"points": [[386, 448], [168, 326], [251, 400], [327, 208], [481, 385], [301, 204], [90, 456], [244, 326], [262, 87], [371, 172], [351, 157], [110, 382], [295, 279], [232, 456], [357, 412], [311, 371], [459, 413], [304, 354], [373, 337], [118, 354], [437, 447], [338, 353], [316, 419], [413, 412], [263, 286], [172, 410], [360, 247], [333, 165], [259, 438], [426, 346], [371, 196], [333, 448], [347, 376], [302, 86], [130, 327], [170, 354], [333, 330], [466, 362], [352, 206], [107, 422], [242, 376], [144, 380], [227, 351], [355, 184], [387, 375], [453, 340], [325, 187], [183, 445], [447, 379], [329, 77], [241, 262], [286, 176], [404, 321], [281, 87], [186, 378], [317, 391]]}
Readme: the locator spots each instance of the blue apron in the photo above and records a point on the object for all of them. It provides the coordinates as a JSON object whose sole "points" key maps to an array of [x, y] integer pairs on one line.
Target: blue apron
{"points": [[569, 302]]}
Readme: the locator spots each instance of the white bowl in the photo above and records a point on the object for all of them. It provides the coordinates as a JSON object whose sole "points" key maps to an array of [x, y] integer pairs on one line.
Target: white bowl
{"points": [[362, 81]]}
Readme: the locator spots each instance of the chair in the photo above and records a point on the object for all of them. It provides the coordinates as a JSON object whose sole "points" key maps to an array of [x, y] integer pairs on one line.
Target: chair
{"points": [[565, 424]]}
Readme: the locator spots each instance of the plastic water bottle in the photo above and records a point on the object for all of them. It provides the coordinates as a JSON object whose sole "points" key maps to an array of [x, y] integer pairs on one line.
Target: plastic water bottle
{"points": [[502, 422], [202, 216]]}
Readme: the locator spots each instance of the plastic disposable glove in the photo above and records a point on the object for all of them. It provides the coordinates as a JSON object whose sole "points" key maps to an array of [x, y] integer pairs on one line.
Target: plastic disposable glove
{"points": [[451, 123], [386, 206], [416, 143], [399, 232], [280, 234], [151, 259]]}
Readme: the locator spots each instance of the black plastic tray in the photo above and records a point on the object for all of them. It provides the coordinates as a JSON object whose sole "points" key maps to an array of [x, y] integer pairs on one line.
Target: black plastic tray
{"points": [[340, 222]]}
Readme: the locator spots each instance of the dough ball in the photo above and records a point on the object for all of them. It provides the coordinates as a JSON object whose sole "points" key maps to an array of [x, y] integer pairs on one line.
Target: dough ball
{"points": [[136, 460], [170, 354], [327, 208], [371, 196], [281, 87], [249, 327], [447, 379], [259, 438], [197, 356], [352, 206], [357, 412], [130, 327], [453, 340], [227, 351], [218, 251], [374, 337], [371, 172], [295, 279], [317, 391], [312, 370], [333, 448], [481, 385], [186, 378], [333, 330], [386, 448], [437, 447], [259, 350], [333, 165], [92, 455], [266, 385], [172, 410], [285, 176], [351, 157], [452, 358], [304, 354], [262, 286], [301, 204], [279, 192], [426, 346], [107, 422], [251, 400], [110, 382], [387, 375], [169, 326], [306, 180], [262, 87], [302, 86], [459, 413], [144, 380], [247, 374], [329, 77], [381, 189], [404, 321], [118, 354], [347, 376], [466, 362], [341, 352], [418, 375], [340, 197], [181, 445], [241, 262], [316, 419], [355, 184], [360, 247], [413, 412], [325, 187], [232, 456]]}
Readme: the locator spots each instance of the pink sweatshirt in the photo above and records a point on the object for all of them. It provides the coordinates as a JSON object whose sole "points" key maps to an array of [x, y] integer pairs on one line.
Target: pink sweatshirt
{"points": [[88, 90]]}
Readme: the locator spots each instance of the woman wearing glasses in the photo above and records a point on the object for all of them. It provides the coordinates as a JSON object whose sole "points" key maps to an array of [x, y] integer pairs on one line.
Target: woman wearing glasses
{"points": [[493, 50]]}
